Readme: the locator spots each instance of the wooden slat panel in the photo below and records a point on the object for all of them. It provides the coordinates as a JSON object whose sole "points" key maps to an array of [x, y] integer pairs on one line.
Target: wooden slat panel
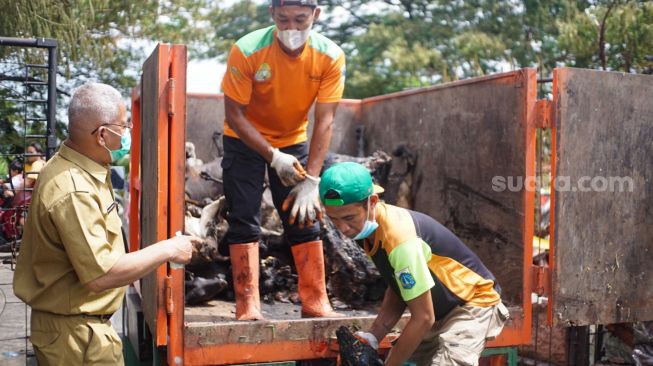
{"points": [[603, 238]]}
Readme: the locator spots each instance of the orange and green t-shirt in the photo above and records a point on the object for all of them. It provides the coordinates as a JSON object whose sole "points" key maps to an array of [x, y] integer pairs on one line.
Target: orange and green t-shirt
{"points": [[278, 89], [414, 253]]}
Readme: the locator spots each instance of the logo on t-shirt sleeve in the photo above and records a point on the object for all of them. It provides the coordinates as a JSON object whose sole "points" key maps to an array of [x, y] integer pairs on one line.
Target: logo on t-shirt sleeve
{"points": [[406, 278], [235, 72]]}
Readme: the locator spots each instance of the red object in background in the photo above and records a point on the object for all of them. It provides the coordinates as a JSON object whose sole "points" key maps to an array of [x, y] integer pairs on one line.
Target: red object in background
{"points": [[10, 228]]}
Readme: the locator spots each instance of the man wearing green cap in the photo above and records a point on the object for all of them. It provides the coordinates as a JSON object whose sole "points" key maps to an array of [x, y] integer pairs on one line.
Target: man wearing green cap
{"points": [[454, 300], [274, 75]]}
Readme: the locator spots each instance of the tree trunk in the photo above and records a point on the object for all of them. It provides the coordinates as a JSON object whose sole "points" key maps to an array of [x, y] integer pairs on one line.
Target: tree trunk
{"points": [[602, 36]]}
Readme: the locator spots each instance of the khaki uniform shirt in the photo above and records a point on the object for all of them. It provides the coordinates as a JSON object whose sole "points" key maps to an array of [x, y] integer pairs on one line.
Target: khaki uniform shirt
{"points": [[72, 236]]}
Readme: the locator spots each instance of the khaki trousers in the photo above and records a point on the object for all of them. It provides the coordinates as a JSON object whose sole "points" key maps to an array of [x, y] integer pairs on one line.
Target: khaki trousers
{"points": [[74, 340], [460, 337]]}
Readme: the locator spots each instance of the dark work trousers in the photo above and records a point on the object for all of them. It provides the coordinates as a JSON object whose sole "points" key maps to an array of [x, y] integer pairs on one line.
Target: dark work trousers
{"points": [[244, 177]]}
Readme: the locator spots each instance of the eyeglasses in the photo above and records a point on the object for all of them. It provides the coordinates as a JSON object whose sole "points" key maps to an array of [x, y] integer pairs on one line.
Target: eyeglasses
{"points": [[128, 125]]}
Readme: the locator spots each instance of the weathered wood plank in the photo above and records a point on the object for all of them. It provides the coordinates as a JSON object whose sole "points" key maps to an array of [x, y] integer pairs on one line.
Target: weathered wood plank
{"points": [[464, 135], [153, 175], [604, 197]]}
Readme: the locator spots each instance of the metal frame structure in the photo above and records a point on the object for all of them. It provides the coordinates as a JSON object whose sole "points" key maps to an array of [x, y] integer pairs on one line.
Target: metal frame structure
{"points": [[29, 83], [159, 125], [51, 45]]}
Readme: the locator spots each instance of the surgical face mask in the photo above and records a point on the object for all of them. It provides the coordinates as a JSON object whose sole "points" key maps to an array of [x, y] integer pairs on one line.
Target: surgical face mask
{"points": [[125, 145], [368, 227], [292, 38]]}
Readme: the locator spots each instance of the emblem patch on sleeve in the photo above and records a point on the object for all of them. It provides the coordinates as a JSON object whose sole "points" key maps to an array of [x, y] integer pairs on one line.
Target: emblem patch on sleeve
{"points": [[406, 278], [235, 72], [264, 72]]}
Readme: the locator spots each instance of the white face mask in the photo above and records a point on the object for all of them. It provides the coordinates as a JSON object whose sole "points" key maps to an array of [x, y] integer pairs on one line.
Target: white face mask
{"points": [[292, 38]]}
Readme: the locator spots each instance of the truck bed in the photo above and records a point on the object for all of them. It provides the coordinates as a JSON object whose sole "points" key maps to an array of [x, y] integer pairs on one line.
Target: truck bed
{"points": [[213, 336], [221, 311]]}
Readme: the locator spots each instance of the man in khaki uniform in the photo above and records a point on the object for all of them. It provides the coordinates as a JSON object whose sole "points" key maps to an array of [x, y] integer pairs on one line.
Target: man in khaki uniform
{"points": [[72, 266]]}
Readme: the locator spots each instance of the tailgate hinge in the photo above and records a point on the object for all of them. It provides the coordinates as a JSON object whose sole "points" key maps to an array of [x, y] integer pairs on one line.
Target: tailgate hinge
{"points": [[167, 286], [545, 117], [171, 96], [541, 280]]}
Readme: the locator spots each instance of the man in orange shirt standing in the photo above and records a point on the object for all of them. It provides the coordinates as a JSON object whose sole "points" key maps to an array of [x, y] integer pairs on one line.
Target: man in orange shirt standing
{"points": [[273, 77]]}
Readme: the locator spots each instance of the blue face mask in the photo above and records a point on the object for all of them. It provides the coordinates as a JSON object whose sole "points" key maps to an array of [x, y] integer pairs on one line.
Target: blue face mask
{"points": [[125, 145], [368, 227]]}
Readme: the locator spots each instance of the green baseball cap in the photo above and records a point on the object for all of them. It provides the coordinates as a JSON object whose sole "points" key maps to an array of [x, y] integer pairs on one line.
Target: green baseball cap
{"points": [[346, 183]]}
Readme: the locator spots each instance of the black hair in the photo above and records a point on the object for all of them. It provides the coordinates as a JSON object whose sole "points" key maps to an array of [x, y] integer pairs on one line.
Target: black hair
{"points": [[332, 194], [37, 147], [16, 165]]}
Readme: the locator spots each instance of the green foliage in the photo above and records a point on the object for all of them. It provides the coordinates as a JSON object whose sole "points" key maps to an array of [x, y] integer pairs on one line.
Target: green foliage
{"points": [[91, 33], [95, 42], [227, 25], [579, 37], [390, 44], [628, 36]]}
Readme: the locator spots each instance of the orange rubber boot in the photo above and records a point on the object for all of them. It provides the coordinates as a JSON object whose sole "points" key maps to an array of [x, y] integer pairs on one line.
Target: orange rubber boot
{"points": [[245, 269], [309, 261]]}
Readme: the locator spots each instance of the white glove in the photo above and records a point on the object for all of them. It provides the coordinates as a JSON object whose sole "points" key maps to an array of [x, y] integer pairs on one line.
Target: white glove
{"points": [[369, 338], [306, 202], [288, 168]]}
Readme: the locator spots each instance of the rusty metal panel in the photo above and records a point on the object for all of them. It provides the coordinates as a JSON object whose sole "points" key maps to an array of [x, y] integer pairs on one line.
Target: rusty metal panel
{"points": [[205, 116], [176, 139], [346, 124], [603, 221], [465, 135], [154, 182]]}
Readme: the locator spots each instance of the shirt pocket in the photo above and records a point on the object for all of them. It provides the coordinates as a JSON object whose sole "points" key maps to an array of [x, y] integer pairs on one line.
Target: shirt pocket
{"points": [[114, 226]]}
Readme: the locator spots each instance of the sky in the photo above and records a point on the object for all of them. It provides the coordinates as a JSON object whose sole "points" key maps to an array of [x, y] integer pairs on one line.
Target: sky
{"points": [[204, 76]]}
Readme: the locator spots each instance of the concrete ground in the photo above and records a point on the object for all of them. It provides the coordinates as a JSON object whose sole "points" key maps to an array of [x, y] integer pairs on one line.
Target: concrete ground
{"points": [[15, 347], [14, 321]]}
